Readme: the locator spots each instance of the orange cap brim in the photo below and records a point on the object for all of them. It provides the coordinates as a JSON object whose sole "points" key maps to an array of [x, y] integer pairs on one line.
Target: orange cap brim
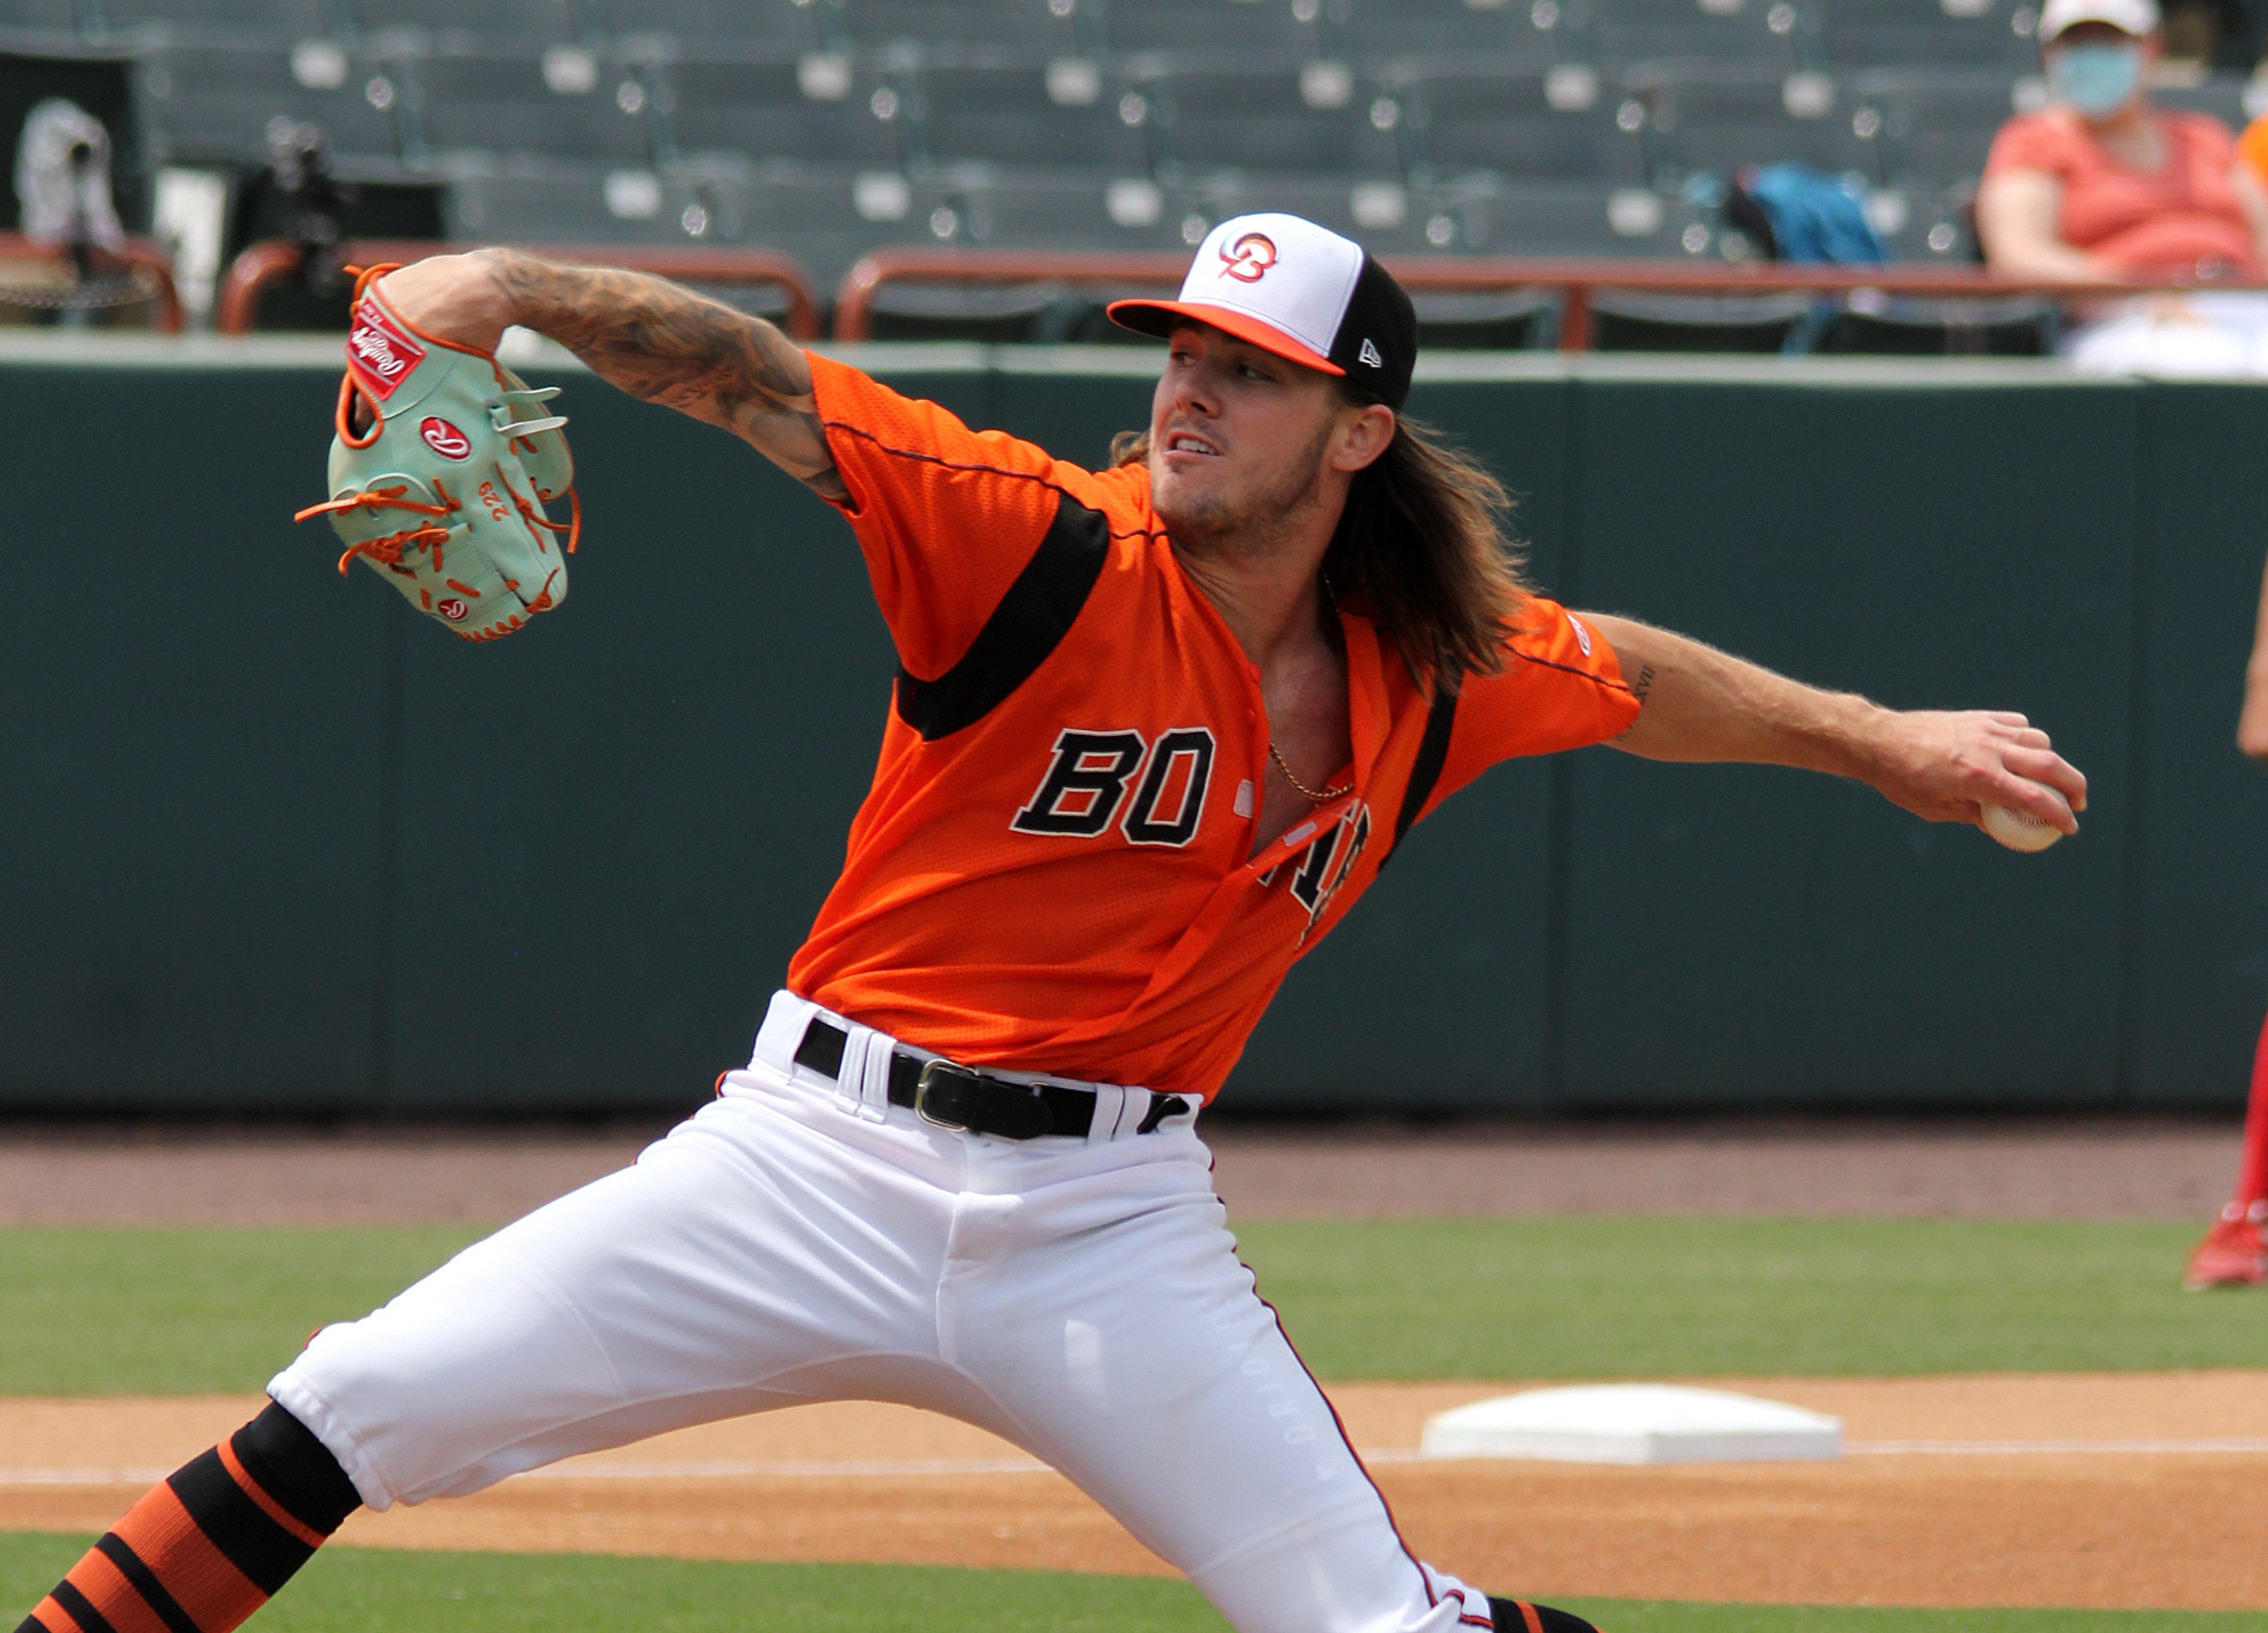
{"points": [[1158, 317]]}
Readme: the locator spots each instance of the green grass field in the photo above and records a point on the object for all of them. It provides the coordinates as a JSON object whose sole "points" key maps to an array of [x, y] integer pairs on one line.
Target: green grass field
{"points": [[366, 1591], [99, 1311], [86, 1311]]}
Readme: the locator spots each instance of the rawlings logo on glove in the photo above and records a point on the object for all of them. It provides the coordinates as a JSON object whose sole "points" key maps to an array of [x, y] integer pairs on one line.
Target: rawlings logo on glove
{"points": [[443, 462]]}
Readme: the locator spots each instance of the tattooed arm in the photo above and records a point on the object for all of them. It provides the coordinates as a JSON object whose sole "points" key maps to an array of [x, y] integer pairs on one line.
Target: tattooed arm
{"points": [[651, 337], [1700, 704]]}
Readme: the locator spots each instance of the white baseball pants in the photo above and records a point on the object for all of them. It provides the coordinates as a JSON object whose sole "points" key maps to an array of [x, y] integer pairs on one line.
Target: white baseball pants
{"points": [[1081, 1299]]}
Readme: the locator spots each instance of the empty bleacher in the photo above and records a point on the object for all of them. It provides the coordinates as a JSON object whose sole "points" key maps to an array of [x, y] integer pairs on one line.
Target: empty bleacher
{"points": [[210, 101], [1056, 115], [1712, 118], [828, 128], [1476, 118]]}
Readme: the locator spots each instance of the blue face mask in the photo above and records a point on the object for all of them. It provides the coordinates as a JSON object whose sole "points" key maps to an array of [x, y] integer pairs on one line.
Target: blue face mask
{"points": [[2096, 80]]}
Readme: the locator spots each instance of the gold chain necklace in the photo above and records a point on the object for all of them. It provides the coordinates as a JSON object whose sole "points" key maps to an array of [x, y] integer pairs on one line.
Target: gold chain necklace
{"points": [[1312, 795]]}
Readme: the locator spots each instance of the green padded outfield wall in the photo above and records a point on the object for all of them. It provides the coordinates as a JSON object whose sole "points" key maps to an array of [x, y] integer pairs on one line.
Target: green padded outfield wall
{"points": [[270, 843]]}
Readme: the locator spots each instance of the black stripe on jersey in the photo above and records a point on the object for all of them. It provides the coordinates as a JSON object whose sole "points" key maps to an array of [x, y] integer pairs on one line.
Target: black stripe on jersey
{"points": [[1432, 754], [1029, 623]]}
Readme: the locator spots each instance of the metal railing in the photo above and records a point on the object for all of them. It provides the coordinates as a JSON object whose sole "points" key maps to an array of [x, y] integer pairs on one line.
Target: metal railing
{"points": [[264, 264], [148, 268], [1575, 282]]}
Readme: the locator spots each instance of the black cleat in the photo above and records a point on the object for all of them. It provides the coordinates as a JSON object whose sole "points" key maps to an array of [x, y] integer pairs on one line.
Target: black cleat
{"points": [[1517, 1615]]}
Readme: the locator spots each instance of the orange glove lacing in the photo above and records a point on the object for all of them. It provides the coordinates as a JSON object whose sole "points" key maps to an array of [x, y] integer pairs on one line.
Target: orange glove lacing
{"points": [[388, 551]]}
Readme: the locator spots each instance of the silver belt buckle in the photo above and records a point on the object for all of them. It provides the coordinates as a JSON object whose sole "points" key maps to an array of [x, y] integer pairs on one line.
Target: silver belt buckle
{"points": [[930, 1070]]}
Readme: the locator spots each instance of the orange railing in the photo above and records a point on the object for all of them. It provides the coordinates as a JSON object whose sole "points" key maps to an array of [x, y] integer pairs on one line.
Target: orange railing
{"points": [[1574, 282], [139, 256], [268, 262]]}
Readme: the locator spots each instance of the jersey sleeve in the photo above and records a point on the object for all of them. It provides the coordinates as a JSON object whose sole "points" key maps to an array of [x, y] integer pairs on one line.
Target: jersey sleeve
{"points": [[2252, 147], [946, 517], [1562, 687], [2030, 142]]}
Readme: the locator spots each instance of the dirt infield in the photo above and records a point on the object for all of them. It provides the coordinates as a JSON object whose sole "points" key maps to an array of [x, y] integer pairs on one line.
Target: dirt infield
{"points": [[115, 1173], [2127, 1491], [1955, 1492]]}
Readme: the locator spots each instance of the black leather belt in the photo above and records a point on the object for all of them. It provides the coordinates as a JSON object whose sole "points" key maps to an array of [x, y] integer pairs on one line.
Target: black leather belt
{"points": [[963, 1098]]}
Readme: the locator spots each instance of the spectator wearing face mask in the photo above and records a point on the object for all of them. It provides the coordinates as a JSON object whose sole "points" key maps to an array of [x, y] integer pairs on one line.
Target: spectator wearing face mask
{"points": [[2101, 188], [2101, 185]]}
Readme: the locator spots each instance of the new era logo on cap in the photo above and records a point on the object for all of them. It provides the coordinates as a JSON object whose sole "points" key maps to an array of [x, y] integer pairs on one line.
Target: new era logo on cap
{"points": [[1301, 291]]}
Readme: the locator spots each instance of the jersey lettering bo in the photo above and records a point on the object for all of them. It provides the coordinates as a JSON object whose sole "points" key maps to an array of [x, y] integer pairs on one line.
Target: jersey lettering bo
{"points": [[1055, 870]]}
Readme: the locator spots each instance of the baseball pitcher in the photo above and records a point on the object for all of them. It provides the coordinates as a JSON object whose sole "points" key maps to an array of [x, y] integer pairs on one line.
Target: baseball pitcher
{"points": [[1155, 729]]}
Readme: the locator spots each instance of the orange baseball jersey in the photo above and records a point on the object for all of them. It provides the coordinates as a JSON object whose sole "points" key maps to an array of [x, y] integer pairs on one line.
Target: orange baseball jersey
{"points": [[1055, 870]]}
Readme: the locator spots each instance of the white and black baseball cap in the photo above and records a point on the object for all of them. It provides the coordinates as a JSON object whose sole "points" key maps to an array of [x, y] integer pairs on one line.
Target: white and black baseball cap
{"points": [[2137, 17], [1299, 291]]}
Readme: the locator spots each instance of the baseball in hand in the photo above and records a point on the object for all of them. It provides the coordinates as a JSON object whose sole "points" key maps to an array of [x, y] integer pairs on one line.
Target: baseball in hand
{"points": [[2019, 830]]}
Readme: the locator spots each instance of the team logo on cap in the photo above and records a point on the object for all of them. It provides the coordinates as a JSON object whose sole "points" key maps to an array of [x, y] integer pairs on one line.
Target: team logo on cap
{"points": [[1248, 259], [1368, 357]]}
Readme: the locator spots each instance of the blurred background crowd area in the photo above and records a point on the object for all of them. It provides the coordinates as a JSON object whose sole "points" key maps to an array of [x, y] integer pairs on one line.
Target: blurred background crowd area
{"points": [[828, 129]]}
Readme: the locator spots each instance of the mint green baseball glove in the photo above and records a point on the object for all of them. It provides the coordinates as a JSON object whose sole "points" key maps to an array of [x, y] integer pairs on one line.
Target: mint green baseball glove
{"points": [[442, 464]]}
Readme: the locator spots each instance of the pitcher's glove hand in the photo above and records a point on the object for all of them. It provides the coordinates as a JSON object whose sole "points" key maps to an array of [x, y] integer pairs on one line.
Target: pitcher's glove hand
{"points": [[443, 462]]}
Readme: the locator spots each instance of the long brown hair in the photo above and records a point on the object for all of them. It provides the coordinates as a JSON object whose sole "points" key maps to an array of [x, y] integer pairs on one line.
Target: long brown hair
{"points": [[1421, 536]]}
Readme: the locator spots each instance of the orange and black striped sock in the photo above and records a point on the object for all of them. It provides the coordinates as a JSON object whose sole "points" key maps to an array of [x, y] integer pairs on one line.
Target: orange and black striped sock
{"points": [[206, 1548]]}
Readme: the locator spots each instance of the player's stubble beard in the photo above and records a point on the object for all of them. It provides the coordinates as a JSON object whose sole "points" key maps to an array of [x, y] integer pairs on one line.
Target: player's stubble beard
{"points": [[1233, 527]]}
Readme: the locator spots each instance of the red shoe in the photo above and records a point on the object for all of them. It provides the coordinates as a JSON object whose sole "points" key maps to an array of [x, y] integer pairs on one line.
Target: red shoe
{"points": [[2234, 1253]]}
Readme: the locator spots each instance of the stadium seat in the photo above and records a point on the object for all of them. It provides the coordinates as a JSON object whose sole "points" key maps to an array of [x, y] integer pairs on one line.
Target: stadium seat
{"points": [[529, 25], [1208, 27], [1316, 117], [538, 201], [1956, 34], [1559, 219], [1511, 319], [1925, 224], [1697, 117], [995, 313], [733, 27], [247, 21], [1934, 127], [1872, 325], [1379, 30], [1512, 120], [37, 20], [819, 110], [1074, 210], [503, 102], [1038, 29], [1766, 33], [211, 102], [827, 220], [2234, 99], [988, 209], [1068, 113], [1638, 320], [1382, 214]]}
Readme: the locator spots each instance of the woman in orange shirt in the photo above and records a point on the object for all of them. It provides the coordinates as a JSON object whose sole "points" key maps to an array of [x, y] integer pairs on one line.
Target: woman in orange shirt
{"points": [[2103, 187]]}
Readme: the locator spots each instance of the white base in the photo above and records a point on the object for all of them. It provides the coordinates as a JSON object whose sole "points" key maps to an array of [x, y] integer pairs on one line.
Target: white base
{"points": [[1634, 1424]]}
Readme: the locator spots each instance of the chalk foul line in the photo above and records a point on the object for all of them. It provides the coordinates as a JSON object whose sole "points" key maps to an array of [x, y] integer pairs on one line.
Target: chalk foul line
{"points": [[2054, 1448], [884, 1468]]}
